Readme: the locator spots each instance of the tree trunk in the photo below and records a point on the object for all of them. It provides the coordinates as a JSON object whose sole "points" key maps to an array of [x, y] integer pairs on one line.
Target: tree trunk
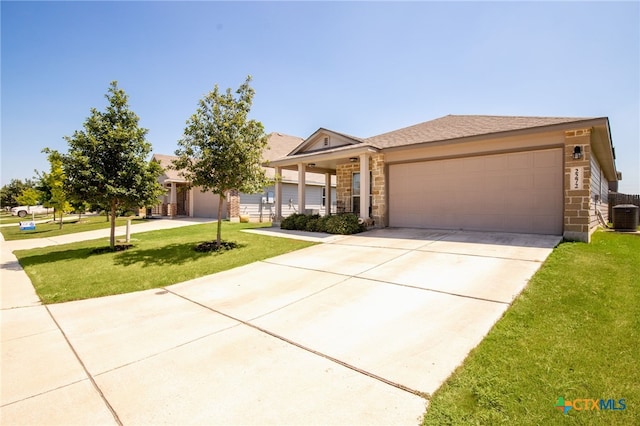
{"points": [[219, 233], [60, 218], [112, 237]]}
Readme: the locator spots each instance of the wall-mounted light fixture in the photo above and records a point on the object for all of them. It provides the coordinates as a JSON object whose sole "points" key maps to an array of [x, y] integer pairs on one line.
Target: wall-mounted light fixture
{"points": [[577, 152], [353, 159], [311, 165]]}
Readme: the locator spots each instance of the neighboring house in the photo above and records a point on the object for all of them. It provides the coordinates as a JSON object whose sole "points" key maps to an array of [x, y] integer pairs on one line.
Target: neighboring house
{"points": [[540, 175], [183, 200]]}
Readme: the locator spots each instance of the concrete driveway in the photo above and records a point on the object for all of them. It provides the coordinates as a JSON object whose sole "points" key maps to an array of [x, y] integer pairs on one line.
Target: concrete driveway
{"points": [[358, 330]]}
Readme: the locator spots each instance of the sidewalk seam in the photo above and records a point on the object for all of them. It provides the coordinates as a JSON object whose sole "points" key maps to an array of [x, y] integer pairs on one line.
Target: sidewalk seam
{"points": [[89, 376], [42, 393]]}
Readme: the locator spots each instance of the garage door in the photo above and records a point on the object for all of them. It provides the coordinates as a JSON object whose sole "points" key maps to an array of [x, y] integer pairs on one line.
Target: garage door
{"points": [[516, 192], [205, 204]]}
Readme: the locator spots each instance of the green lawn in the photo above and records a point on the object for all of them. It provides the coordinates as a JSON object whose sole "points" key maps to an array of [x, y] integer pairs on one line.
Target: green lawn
{"points": [[6, 217], [158, 258], [70, 226], [573, 333]]}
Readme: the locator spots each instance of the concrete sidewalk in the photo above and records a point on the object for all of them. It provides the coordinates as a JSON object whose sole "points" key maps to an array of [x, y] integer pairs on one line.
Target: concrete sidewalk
{"points": [[39, 367], [357, 330]]}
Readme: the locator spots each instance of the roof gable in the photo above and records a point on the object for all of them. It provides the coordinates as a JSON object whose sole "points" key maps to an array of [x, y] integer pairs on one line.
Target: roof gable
{"points": [[324, 139]]}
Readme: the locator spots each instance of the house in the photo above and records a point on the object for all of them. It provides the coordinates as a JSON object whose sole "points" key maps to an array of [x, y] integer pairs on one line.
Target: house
{"points": [[539, 175], [183, 200]]}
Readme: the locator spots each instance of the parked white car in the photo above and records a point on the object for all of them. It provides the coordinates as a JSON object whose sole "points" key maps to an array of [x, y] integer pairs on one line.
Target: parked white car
{"points": [[22, 211]]}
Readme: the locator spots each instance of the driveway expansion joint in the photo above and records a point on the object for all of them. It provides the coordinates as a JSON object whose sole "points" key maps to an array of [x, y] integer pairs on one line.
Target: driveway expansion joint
{"points": [[167, 349], [310, 350], [42, 393], [86, 371]]}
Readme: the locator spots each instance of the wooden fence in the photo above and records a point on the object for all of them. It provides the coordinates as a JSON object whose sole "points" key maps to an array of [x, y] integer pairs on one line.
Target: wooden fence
{"points": [[616, 198]]}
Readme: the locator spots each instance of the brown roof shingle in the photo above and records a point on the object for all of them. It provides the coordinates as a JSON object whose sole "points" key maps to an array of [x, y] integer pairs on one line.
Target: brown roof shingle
{"points": [[165, 162], [279, 145], [461, 126]]}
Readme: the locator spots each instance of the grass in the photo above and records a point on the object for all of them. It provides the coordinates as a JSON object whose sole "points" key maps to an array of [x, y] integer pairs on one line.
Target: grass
{"points": [[6, 217], [573, 333], [46, 230], [158, 258]]}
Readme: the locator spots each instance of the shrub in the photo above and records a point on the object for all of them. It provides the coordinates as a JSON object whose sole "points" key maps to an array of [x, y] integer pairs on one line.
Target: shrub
{"points": [[289, 222], [315, 224], [301, 222], [344, 224]]}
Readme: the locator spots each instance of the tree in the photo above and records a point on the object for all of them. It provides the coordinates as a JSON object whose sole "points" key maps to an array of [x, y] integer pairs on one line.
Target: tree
{"points": [[10, 192], [53, 186], [79, 207], [29, 197], [221, 149], [107, 161]]}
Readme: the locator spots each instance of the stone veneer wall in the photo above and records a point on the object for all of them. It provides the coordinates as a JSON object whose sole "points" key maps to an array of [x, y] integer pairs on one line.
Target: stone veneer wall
{"points": [[172, 209], [577, 202], [344, 173], [233, 205], [378, 190], [343, 185]]}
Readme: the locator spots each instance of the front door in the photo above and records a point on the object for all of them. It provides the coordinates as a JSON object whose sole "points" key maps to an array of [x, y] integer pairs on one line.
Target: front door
{"points": [[181, 201]]}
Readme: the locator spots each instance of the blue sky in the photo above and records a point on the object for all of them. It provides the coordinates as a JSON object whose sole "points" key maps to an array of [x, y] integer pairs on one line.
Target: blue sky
{"points": [[361, 68]]}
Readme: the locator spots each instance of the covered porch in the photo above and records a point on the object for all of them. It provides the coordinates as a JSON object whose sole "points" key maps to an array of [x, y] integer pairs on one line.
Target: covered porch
{"points": [[359, 175], [178, 200]]}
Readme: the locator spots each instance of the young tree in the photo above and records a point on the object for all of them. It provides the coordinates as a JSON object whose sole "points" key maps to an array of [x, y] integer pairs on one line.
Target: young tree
{"points": [[52, 186], [107, 160], [79, 207], [221, 149], [29, 197]]}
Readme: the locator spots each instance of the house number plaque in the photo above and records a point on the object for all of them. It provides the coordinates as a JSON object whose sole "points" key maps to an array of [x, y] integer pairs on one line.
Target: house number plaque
{"points": [[577, 178]]}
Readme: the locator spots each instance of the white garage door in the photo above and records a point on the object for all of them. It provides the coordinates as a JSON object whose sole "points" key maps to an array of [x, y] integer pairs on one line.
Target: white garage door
{"points": [[516, 192]]}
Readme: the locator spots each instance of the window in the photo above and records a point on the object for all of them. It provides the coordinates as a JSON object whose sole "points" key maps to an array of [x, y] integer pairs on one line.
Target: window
{"points": [[324, 196], [355, 193]]}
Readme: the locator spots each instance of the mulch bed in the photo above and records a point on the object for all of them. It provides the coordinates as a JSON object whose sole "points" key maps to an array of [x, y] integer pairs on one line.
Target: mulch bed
{"points": [[209, 246], [117, 247]]}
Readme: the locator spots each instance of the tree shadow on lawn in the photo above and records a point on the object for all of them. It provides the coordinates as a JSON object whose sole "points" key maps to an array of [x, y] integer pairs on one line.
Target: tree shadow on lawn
{"points": [[172, 254], [55, 256], [44, 231]]}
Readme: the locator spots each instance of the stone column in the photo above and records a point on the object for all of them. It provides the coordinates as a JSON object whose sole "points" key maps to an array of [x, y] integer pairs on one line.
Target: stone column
{"points": [[364, 186], [278, 195], [379, 208], [577, 178], [301, 187], [233, 200], [190, 202]]}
